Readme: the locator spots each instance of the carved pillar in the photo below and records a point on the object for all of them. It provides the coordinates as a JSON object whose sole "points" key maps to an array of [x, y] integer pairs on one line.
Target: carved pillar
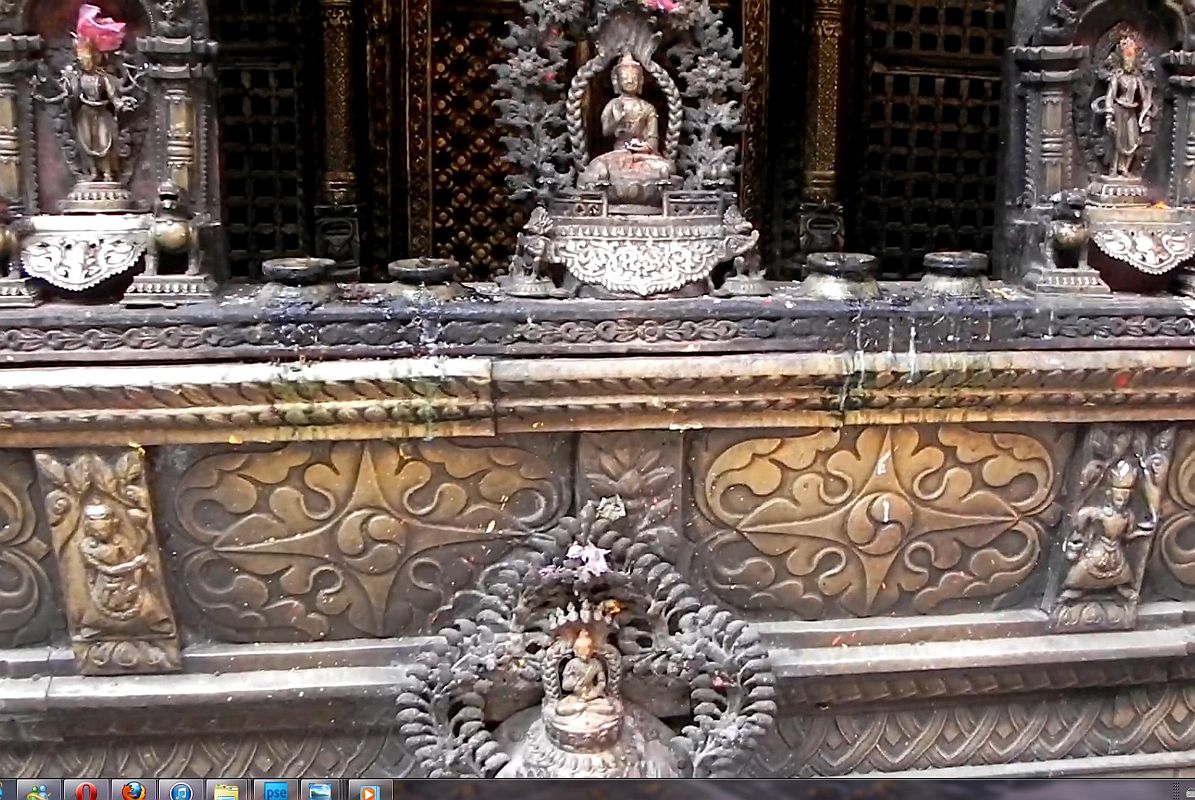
{"points": [[176, 65], [756, 62], [114, 590], [821, 223], [1046, 82], [18, 161], [1181, 65], [337, 230]]}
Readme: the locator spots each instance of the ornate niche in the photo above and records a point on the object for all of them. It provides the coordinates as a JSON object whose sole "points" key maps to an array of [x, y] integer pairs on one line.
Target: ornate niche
{"points": [[343, 540], [1099, 178], [1115, 505], [635, 199], [581, 610], [877, 520], [111, 171]]}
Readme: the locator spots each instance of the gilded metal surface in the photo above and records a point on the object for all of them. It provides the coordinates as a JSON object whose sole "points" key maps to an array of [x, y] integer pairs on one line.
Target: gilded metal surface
{"points": [[869, 520], [387, 530]]}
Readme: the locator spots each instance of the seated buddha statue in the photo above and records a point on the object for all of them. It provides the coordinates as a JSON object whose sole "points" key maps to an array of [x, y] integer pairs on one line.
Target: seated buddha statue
{"points": [[633, 172]]}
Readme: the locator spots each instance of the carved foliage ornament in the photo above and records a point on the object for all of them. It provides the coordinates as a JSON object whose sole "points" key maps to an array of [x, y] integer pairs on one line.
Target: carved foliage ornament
{"points": [[80, 261], [502, 633], [868, 520], [99, 513], [352, 539]]}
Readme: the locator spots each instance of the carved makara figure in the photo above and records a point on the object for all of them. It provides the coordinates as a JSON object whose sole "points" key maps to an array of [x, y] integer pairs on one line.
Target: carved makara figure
{"points": [[1097, 547], [1127, 106], [634, 171]]}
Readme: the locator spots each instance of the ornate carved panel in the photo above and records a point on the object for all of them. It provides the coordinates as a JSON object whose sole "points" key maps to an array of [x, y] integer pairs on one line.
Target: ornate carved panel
{"points": [[114, 588], [1030, 728], [926, 148], [351, 753], [347, 539], [865, 521], [27, 601], [1171, 573]]}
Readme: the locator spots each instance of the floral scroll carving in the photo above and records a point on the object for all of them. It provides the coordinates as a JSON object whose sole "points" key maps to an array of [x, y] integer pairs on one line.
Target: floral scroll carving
{"points": [[348, 539], [871, 520], [26, 594], [98, 508]]}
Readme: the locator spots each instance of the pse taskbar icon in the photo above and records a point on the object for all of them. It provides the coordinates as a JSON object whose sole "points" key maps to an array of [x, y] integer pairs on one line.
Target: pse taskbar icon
{"points": [[270, 789]]}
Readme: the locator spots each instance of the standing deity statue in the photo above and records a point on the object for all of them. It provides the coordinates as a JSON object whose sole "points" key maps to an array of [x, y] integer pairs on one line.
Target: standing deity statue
{"points": [[634, 170], [96, 95], [1127, 106], [1098, 546]]}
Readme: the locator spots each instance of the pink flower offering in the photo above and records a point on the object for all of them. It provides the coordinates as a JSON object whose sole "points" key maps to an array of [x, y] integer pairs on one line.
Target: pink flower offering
{"points": [[104, 33], [667, 6]]}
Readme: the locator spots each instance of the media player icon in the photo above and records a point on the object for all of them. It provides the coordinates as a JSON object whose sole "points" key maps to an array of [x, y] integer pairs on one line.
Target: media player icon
{"points": [[181, 791], [370, 793]]}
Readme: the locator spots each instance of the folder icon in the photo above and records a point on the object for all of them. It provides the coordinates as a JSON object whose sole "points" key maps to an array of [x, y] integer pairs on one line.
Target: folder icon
{"points": [[226, 791]]}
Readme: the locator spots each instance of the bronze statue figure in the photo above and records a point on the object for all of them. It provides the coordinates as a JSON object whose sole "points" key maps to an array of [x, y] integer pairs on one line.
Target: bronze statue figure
{"points": [[584, 680], [1127, 106], [96, 95], [634, 171]]}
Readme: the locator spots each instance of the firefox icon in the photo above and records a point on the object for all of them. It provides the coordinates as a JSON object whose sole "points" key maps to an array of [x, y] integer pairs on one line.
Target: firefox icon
{"points": [[133, 790]]}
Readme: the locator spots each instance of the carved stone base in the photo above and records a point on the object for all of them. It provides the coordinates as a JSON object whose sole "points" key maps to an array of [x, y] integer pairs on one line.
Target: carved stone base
{"points": [[18, 293], [640, 752], [128, 656], [523, 286], [168, 290], [745, 286], [1117, 191], [98, 197], [1094, 614], [1050, 280]]}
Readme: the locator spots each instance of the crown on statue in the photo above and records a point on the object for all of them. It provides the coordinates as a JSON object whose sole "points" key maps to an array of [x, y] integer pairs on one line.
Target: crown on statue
{"points": [[584, 614]]}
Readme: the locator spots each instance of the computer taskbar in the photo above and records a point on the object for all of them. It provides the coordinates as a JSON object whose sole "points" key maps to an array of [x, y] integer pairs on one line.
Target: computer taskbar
{"points": [[219, 789]]}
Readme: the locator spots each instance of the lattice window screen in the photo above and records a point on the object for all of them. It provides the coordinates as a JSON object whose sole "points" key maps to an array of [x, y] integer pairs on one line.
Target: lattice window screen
{"points": [[264, 128], [931, 129], [473, 219]]}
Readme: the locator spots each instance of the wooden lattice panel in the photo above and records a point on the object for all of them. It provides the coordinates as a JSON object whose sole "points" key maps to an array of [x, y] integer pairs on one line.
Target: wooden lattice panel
{"points": [[264, 128], [930, 129]]}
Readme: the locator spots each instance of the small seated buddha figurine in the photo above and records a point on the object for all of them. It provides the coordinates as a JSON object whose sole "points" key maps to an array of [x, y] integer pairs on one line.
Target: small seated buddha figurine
{"points": [[584, 680], [633, 172]]}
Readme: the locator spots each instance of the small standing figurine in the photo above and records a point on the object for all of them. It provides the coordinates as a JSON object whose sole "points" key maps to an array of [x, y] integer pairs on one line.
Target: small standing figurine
{"points": [[1098, 546], [96, 97], [1127, 106], [634, 171], [584, 680]]}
